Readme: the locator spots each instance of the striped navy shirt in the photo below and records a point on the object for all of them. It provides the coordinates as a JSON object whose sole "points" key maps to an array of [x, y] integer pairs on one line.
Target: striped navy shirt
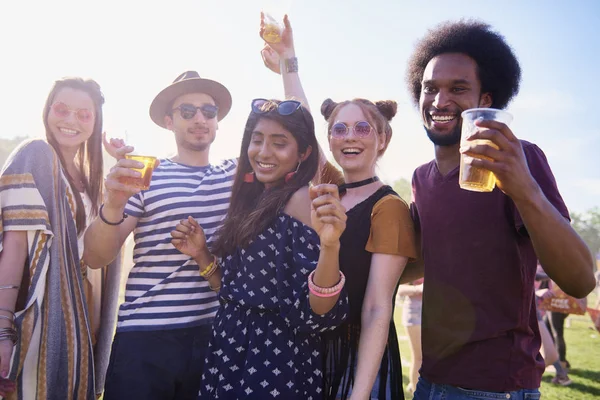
{"points": [[164, 289]]}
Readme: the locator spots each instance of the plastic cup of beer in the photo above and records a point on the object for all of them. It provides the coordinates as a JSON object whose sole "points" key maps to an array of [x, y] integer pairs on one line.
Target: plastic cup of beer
{"points": [[474, 178], [273, 28], [143, 182]]}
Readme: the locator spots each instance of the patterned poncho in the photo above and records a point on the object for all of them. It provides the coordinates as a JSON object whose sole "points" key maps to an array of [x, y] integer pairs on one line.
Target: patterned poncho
{"points": [[53, 358]]}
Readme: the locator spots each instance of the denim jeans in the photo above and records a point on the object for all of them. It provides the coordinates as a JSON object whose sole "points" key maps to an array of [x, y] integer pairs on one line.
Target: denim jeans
{"points": [[430, 391]]}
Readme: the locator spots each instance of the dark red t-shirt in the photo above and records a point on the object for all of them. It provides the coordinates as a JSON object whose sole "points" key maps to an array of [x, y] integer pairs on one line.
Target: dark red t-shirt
{"points": [[479, 318]]}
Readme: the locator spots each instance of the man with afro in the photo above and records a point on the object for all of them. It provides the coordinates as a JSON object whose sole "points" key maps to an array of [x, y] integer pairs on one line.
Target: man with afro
{"points": [[480, 334]]}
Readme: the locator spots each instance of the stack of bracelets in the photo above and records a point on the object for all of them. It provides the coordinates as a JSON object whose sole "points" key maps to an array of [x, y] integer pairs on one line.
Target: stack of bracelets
{"points": [[9, 333], [323, 291], [209, 271]]}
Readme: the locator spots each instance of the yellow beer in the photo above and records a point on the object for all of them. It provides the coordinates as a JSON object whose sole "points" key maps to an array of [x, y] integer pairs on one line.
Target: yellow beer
{"points": [[272, 33], [474, 178], [143, 182]]}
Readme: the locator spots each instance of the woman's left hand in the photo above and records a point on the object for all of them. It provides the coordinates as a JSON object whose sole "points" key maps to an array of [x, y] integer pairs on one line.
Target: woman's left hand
{"points": [[328, 215]]}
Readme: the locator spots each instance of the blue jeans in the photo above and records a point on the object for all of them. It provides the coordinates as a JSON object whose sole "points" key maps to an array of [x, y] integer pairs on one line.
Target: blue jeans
{"points": [[430, 391]]}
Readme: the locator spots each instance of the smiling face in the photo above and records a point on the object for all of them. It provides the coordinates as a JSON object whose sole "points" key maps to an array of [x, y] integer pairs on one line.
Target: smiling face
{"points": [[71, 118], [197, 133], [450, 85], [356, 154], [273, 152]]}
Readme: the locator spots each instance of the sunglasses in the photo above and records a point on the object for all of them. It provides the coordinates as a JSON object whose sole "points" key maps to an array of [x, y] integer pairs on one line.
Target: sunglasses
{"points": [[61, 110], [340, 130], [263, 106], [188, 111]]}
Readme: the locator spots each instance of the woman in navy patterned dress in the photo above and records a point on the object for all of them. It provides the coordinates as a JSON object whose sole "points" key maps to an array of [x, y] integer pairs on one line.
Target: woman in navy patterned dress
{"points": [[278, 235]]}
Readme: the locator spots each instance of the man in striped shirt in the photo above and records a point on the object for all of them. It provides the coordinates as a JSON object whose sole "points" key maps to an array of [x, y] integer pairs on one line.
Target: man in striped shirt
{"points": [[165, 322]]}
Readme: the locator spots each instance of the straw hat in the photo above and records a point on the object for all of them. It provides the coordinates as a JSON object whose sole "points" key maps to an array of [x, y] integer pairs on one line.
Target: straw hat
{"points": [[189, 82]]}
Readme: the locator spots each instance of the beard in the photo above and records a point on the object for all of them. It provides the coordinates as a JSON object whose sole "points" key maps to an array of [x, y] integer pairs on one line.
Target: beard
{"points": [[187, 141], [445, 139]]}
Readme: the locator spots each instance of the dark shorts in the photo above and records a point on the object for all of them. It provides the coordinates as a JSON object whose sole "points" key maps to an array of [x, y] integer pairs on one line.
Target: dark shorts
{"points": [[165, 365]]}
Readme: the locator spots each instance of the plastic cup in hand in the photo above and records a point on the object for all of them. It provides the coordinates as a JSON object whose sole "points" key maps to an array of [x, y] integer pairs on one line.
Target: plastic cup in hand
{"points": [[474, 178], [144, 181], [273, 29]]}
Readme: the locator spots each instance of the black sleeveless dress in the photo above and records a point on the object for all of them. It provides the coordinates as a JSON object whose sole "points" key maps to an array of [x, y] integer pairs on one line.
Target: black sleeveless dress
{"points": [[341, 345]]}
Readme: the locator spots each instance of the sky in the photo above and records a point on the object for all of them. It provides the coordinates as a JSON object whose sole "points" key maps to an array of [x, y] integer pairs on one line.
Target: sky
{"points": [[345, 48]]}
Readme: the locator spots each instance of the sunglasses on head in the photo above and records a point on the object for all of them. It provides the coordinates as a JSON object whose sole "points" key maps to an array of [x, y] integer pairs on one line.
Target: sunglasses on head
{"points": [[340, 130], [263, 106], [188, 111], [61, 110]]}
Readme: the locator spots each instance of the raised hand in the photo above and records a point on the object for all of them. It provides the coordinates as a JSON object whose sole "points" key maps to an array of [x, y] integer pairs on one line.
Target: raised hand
{"points": [[286, 45], [117, 190], [508, 162], [328, 215], [188, 238]]}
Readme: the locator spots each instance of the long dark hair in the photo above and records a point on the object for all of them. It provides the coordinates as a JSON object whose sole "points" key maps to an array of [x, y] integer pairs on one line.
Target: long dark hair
{"points": [[89, 155], [253, 208]]}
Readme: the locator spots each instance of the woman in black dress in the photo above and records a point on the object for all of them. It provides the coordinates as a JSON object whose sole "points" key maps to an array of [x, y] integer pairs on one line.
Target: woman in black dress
{"points": [[362, 355]]}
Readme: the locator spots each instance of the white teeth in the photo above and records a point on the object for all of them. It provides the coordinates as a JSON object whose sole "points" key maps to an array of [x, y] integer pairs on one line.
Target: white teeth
{"points": [[70, 132], [263, 165], [443, 118], [351, 150]]}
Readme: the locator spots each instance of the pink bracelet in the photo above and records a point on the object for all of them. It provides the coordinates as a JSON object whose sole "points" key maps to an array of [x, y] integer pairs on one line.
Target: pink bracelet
{"points": [[320, 291]]}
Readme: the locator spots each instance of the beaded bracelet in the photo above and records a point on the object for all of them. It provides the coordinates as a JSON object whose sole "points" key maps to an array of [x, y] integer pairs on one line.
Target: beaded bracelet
{"points": [[320, 291], [210, 269]]}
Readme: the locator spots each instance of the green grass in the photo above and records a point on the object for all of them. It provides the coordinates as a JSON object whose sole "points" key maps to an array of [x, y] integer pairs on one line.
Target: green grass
{"points": [[583, 352]]}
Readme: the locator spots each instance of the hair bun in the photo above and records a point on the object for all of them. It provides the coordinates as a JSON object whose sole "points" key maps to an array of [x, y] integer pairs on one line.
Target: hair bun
{"points": [[327, 108], [387, 108]]}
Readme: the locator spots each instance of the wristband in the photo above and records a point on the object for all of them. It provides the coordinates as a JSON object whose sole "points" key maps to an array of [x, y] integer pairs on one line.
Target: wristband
{"points": [[108, 222]]}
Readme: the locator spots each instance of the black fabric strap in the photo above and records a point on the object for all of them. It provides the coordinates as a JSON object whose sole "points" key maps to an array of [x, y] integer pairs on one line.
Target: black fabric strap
{"points": [[345, 186]]}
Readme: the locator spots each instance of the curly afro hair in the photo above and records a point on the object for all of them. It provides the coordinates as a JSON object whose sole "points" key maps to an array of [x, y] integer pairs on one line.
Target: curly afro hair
{"points": [[498, 68]]}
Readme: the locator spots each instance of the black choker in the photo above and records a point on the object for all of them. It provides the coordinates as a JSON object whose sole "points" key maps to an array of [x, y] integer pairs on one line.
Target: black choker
{"points": [[342, 188]]}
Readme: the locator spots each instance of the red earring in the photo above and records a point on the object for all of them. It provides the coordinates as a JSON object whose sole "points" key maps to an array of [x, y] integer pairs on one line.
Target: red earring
{"points": [[249, 177], [290, 175]]}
